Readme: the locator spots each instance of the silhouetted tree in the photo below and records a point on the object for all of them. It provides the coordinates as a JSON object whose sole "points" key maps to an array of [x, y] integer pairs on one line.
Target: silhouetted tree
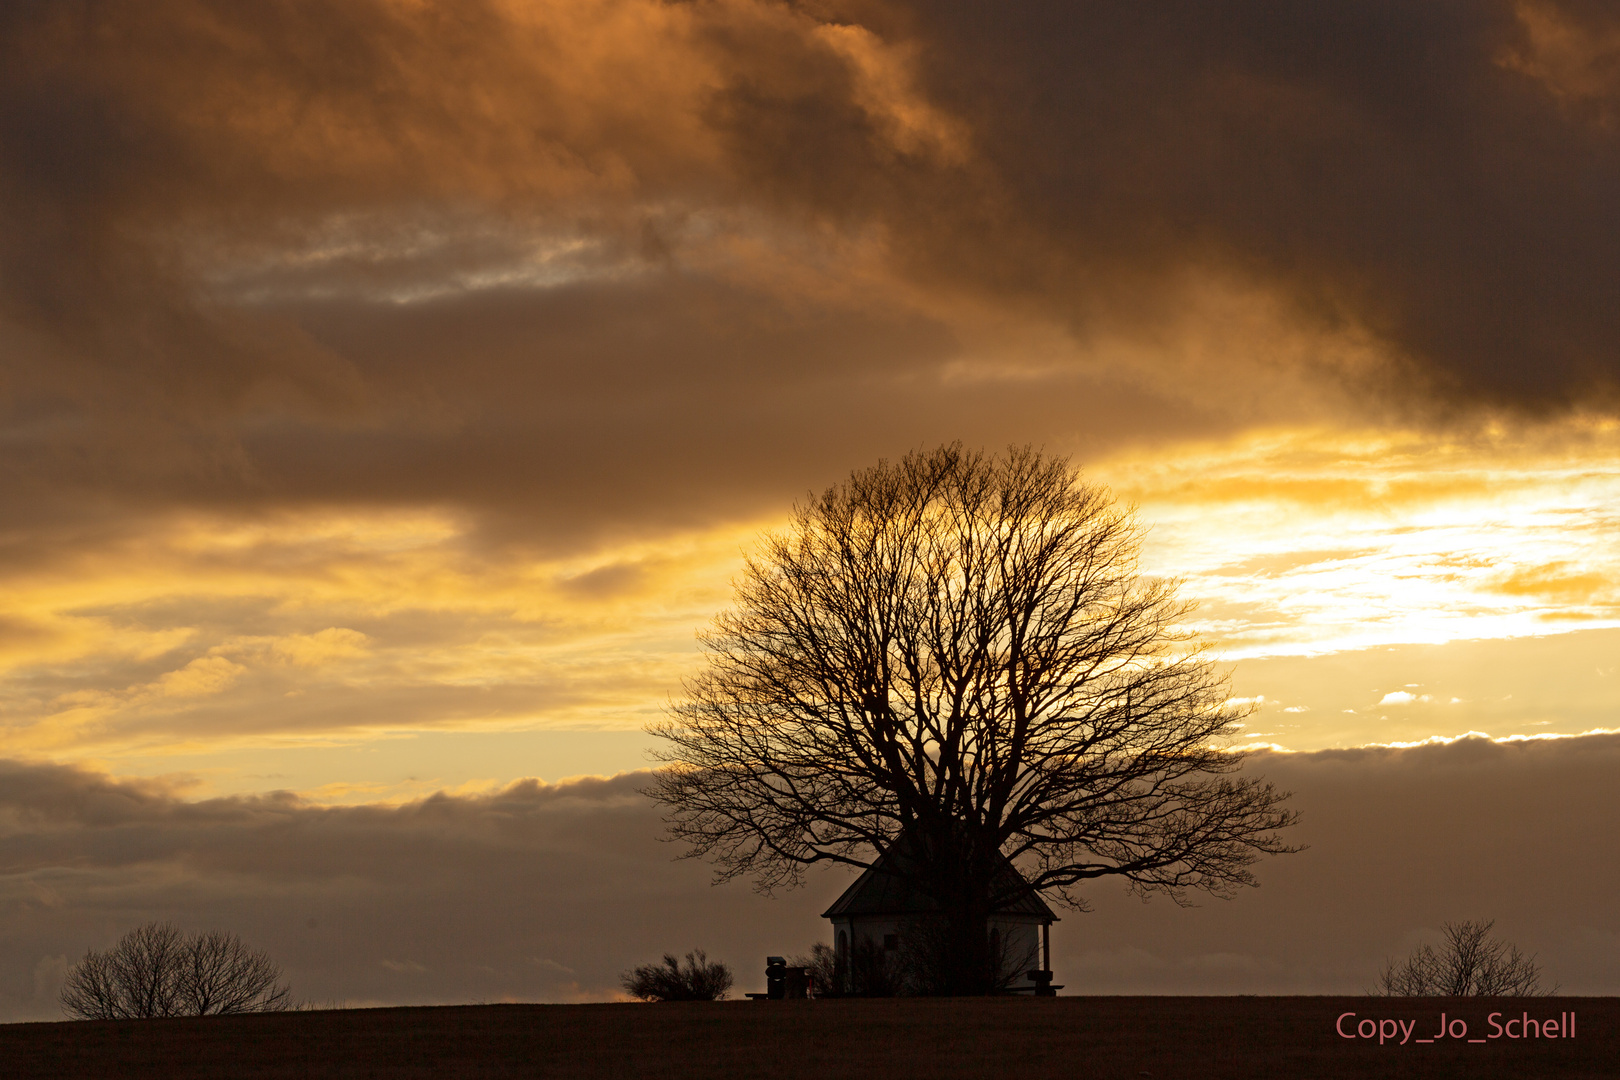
{"points": [[959, 648], [222, 975], [155, 970], [697, 979], [1469, 963]]}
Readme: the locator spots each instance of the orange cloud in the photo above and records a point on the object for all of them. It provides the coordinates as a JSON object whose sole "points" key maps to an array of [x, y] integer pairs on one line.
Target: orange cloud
{"points": [[410, 365], [1559, 582], [1577, 59]]}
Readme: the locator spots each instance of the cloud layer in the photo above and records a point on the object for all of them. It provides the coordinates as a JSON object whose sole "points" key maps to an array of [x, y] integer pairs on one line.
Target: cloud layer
{"points": [[547, 892], [582, 264], [1439, 177]]}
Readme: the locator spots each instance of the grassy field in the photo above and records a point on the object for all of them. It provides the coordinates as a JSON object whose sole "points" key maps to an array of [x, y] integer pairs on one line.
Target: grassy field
{"points": [[1071, 1038]]}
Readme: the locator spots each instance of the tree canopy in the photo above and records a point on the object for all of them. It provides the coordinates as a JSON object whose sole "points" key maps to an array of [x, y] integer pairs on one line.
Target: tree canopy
{"points": [[156, 970], [959, 648]]}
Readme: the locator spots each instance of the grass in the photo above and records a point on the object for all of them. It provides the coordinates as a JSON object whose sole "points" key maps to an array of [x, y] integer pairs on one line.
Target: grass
{"points": [[1073, 1038]]}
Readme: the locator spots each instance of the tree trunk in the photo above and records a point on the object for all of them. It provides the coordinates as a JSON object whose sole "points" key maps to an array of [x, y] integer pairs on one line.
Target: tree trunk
{"points": [[951, 955]]}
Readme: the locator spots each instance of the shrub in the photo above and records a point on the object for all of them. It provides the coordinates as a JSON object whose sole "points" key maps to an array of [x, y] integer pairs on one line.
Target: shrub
{"points": [[920, 967], [826, 972], [697, 979], [867, 971]]}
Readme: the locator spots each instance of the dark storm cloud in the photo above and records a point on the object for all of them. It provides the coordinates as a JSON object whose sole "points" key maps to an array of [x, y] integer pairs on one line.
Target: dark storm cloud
{"points": [[187, 185], [1424, 170], [593, 408], [597, 265], [548, 891]]}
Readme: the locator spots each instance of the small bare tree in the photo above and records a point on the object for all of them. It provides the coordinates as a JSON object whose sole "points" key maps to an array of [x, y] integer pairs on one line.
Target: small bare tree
{"points": [[697, 979], [155, 970], [1469, 963]]}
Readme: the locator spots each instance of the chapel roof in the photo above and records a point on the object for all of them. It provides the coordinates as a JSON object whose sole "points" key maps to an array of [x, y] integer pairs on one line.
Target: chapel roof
{"points": [[888, 887]]}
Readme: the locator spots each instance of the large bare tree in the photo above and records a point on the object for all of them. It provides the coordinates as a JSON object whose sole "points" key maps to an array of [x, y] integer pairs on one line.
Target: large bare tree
{"points": [[958, 649]]}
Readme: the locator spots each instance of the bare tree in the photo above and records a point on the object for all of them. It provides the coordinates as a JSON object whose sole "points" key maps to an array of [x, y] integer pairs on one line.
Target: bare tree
{"points": [[222, 975], [1469, 963], [697, 979], [135, 979], [155, 970], [829, 972], [958, 648]]}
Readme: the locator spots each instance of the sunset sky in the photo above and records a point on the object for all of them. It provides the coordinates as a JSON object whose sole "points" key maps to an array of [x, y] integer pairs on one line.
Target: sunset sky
{"points": [[391, 389]]}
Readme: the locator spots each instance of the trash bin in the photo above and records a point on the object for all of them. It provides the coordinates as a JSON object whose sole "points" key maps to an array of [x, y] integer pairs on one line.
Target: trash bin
{"points": [[796, 984], [775, 977]]}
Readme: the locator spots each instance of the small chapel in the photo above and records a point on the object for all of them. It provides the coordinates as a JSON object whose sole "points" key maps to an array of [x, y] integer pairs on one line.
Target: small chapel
{"points": [[878, 907]]}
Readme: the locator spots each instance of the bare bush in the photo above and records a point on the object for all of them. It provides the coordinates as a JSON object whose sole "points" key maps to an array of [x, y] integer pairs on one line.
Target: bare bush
{"points": [[1469, 963], [874, 971], [155, 970], [866, 970], [827, 972], [696, 979]]}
